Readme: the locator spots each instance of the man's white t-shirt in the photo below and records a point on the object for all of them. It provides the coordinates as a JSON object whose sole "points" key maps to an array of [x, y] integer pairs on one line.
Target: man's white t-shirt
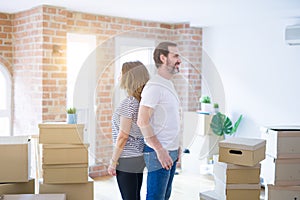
{"points": [[160, 95]]}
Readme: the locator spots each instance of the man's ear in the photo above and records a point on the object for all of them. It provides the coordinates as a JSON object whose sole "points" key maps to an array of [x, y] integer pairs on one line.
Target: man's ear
{"points": [[163, 58]]}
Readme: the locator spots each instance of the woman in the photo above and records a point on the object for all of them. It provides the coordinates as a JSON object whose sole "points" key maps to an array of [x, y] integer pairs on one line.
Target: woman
{"points": [[127, 162]]}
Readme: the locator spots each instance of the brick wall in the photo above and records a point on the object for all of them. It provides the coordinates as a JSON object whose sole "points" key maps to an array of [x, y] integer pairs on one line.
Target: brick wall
{"points": [[27, 70], [54, 66], [6, 41], [39, 70]]}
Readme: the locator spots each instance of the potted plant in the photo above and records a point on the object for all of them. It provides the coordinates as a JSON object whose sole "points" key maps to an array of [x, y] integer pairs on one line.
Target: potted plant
{"points": [[71, 116], [222, 125], [216, 107], [205, 103]]}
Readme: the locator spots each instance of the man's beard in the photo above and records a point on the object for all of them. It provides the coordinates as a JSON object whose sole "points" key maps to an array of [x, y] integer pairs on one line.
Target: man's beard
{"points": [[172, 68]]}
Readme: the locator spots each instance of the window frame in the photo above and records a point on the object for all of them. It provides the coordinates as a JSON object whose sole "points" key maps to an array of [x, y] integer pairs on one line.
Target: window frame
{"points": [[8, 111]]}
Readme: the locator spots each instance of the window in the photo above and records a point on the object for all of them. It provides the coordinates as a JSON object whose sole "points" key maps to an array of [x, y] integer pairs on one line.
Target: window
{"points": [[81, 67], [132, 49], [5, 102], [79, 49]]}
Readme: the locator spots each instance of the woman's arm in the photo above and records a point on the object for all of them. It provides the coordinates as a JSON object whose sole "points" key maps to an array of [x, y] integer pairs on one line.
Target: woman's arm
{"points": [[125, 125]]}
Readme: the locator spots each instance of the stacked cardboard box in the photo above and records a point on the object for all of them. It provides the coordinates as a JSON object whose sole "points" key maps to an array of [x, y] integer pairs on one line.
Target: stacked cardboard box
{"points": [[237, 169], [280, 169], [15, 167], [65, 161]]}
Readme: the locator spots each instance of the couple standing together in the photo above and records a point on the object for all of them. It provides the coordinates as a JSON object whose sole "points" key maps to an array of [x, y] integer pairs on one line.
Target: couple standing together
{"points": [[146, 126]]}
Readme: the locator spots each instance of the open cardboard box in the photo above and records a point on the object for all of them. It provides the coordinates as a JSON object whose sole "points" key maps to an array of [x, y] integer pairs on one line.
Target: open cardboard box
{"points": [[15, 154]]}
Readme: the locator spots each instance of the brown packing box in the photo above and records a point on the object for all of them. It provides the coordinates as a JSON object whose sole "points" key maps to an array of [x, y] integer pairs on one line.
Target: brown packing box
{"points": [[17, 188], [275, 192], [237, 191], [209, 195], [75, 173], [75, 191], [35, 197], [15, 155], [60, 133], [242, 151], [236, 174], [65, 154], [282, 142], [280, 171]]}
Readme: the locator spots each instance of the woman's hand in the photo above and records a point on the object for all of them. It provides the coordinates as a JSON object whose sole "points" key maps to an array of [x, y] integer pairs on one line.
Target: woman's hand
{"points": [[112, 170]]}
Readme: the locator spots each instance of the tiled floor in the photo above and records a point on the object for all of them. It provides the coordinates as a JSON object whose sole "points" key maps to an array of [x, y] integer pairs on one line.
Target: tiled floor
{"points": [[186, 186]]}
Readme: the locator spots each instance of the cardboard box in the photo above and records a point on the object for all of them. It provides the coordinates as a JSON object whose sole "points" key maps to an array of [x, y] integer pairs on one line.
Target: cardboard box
{"points": [[236, 174], [55, 174], [65, 154], [275, 192], [18, 188], [209, 195], [280, 171], [237, 191], [282, 142], [242, 151], [75, 191], [61, 133], [35, 197], [15, 153]]}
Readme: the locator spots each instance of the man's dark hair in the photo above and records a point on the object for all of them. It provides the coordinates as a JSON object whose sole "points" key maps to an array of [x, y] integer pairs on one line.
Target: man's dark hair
{"points": [[162, 48]]}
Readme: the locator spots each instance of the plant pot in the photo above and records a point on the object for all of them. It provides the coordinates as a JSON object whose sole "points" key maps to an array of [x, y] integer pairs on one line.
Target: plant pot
{"points": [[206, 107], [72, 118], [216, 110]]}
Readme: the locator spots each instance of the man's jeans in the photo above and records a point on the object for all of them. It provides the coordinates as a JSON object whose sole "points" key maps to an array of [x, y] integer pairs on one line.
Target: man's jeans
{"points": [[159, 180]]}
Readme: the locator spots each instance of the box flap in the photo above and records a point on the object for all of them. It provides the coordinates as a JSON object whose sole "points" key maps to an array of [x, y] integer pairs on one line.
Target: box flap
{"points": [[34, 197], [65, 146], [60, 125], [233, 166], [57, 166], [244, 186], [285, 187], [14, 139], [243, 143], [285, 128]]}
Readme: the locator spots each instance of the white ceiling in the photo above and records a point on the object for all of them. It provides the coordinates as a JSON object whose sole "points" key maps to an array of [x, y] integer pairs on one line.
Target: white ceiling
{"points": [[196, 12]]}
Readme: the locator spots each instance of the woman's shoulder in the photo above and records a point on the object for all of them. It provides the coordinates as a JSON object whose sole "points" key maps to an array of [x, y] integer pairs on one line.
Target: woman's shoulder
{"points": [[130, 100]]}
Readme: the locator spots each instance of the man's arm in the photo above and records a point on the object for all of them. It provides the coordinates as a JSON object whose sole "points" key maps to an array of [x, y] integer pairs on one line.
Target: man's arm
{"points": [[144, 123]]}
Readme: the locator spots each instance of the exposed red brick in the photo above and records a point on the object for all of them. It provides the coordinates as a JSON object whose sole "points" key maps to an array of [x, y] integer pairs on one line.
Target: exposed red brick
{"points": [[41, 75]]}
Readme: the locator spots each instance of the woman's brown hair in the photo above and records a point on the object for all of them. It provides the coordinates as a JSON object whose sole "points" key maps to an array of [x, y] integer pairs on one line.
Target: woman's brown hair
{"points": [[134, 77]]}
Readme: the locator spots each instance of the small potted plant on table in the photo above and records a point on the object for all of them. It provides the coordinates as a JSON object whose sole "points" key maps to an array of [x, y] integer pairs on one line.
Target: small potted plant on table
{"points": [[205, 104], [71, 116]]}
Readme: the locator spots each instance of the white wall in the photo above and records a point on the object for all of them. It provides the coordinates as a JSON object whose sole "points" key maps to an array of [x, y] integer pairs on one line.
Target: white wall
{"points": [[259, 72]]}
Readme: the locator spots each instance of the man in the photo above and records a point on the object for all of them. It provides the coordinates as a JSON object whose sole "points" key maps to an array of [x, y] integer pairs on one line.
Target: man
{"points": [[159, 121]]}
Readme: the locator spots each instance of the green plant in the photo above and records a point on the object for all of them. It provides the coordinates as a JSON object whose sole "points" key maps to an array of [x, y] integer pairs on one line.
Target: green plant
{"points": [[71, 110], [221, 124], [205, 99], [216, 105]]}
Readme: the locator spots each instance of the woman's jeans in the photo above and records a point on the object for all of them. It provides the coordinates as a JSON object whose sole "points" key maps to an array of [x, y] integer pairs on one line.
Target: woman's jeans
{"points": [[130, 185], [159, 180], [130, 177]]}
